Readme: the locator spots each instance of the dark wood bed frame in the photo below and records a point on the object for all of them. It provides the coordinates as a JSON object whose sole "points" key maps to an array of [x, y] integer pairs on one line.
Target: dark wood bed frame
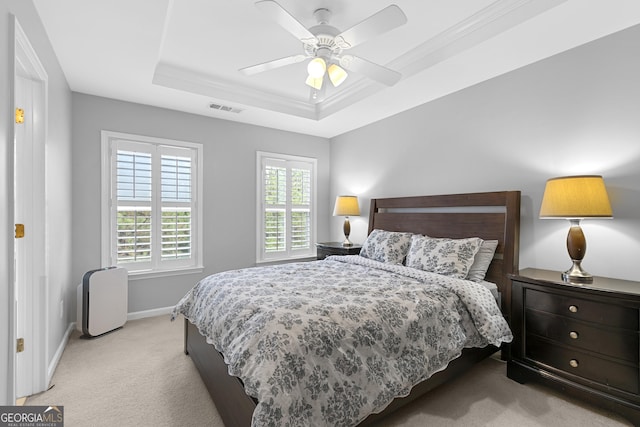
{"points": [[493, 215]]}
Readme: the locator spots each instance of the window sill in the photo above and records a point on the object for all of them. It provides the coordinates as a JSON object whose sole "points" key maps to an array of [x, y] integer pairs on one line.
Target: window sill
{"points": [[141, 275]]}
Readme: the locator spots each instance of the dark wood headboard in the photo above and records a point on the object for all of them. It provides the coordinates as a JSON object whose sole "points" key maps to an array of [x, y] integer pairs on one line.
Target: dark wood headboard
{"points": [[490, 216]]}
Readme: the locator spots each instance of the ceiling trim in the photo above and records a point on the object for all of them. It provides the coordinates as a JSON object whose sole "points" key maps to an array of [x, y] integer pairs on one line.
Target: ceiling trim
{"points": [[483, 25], [174, 40], [216, 87], [486, 23]]}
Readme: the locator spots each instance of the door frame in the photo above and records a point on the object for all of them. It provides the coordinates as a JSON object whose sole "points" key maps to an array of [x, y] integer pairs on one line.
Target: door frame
{"points": [[27, 64]]}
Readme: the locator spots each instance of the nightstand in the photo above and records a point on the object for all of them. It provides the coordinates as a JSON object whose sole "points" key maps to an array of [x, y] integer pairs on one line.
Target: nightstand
{"points": [[580, 339], [335, 248]]}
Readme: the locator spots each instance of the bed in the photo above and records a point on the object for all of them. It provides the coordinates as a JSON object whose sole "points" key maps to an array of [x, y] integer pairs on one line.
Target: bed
{"points": [[491, 216]]}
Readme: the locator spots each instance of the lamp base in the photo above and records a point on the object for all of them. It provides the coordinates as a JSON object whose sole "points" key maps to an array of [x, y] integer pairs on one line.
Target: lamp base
{"points": [[346, 228], [576, 274], [577, 246]]}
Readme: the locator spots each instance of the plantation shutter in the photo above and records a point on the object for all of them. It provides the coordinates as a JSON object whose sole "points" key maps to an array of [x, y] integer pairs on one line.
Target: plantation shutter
{"points": [[176, 202], [153, 190], [286, 225], [300, 207], [275, 208], [133, 209]]}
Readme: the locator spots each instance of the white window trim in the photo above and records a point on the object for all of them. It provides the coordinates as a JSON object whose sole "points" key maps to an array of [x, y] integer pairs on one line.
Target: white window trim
{"points": [[107, 138], [260, 155]]}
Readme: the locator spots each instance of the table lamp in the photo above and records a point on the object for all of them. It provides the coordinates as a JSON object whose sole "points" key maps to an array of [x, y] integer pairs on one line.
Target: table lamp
{"points": [[575, 198], [346, 206]]}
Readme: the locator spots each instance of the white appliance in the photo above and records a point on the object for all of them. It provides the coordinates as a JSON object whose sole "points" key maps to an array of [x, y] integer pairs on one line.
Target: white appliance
{"points": [[102, 301]]}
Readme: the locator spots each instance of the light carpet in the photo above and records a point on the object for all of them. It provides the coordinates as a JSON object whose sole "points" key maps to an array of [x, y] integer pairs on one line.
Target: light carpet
{"points": [[139, 376]]}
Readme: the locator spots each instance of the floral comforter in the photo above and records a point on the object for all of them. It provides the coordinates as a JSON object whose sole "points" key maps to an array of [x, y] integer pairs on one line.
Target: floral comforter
{"points": [[329, 342]]}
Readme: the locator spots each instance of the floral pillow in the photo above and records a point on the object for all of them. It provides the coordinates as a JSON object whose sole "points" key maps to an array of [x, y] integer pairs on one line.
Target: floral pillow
{"points": [[449, 257], [386, 246], [481, 262]]}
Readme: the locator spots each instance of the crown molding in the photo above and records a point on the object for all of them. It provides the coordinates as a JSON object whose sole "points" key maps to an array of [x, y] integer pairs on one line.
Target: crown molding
{"points": [[494, 19], [179, 78], [479, 27]]}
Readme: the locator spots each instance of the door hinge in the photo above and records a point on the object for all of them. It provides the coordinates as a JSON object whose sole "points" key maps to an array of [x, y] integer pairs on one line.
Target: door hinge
{"points": [[19, 231], [19, 116], [20, 345]]}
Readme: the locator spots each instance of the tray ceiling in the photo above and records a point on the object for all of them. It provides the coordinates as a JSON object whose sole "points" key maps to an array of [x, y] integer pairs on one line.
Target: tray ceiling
{"points": [[185, 54]]}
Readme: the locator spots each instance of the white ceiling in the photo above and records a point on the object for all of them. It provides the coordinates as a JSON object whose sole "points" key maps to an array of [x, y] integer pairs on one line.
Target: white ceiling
{"points": [[185, 54]]}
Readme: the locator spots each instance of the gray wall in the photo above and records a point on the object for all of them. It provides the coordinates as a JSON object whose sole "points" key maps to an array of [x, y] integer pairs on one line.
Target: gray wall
{"points": [[229, 186], [575, 113], [58, 184]]}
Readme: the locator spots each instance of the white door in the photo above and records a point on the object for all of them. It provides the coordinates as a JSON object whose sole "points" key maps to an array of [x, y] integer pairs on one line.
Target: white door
{"points": [[23, 246], [30, 285]]}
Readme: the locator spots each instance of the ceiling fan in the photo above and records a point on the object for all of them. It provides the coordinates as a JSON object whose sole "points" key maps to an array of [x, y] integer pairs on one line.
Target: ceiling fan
{"points": [[325, 45]]}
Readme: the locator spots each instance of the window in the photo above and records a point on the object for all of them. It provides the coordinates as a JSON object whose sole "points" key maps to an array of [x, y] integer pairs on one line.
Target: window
{"points": [[150, 211], [286, 207]]}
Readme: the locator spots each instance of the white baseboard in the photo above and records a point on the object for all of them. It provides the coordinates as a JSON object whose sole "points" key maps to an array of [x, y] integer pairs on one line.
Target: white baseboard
{"points": [[149, 313], [56, 357]]}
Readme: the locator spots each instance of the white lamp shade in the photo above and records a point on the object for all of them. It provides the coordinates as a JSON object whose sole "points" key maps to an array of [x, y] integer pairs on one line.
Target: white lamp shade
{"points": [[346, 206], [337, 75], [317, 67], [315, 83]]}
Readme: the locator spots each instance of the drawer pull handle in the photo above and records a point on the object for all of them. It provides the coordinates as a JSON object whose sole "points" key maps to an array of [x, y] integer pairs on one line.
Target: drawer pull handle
{"points": [[573, 335], [573, 363], [573, 308]]}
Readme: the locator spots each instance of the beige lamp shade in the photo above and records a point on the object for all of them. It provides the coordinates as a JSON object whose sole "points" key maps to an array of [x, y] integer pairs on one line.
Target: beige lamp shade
{"points": [[576, 197], [346, 206], [337, 75]]}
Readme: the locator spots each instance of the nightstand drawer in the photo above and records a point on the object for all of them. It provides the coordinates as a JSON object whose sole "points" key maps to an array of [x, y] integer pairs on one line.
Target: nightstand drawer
{"points": [[620, 344], [583, 309], [606, 372]]}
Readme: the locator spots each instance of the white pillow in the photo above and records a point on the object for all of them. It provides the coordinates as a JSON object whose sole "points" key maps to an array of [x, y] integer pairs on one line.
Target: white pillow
{"points": [[481, 262], [386, 246], [449, 257]]}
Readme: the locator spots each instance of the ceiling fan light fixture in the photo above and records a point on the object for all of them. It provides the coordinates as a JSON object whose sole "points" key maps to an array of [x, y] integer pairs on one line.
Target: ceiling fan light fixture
{"points": [[337, 74], [314, 82], [324, 45], [317, 67]]}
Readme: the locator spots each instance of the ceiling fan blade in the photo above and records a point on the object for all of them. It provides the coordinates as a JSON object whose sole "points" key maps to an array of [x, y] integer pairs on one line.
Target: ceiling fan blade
{"points": [[276, 63], [385, 20], [371, 70], [286, 21]]}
